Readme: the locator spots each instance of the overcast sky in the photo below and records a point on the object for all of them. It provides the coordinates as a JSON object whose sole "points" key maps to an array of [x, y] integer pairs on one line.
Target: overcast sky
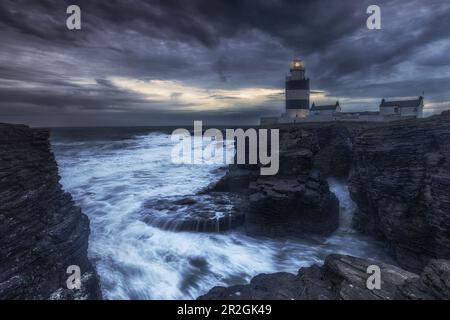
{"points": [[170, 62]]}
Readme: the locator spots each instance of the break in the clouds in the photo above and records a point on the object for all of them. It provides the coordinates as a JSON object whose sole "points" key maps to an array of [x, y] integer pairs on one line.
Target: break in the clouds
{"points": [[170, 62]]}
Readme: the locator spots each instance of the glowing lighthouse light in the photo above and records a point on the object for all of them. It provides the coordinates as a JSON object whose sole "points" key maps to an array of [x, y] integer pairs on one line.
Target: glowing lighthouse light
{"points": [[297, 65]]}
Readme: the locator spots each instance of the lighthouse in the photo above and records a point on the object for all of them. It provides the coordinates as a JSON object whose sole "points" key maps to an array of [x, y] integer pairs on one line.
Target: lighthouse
{"points": [[297, 91]]}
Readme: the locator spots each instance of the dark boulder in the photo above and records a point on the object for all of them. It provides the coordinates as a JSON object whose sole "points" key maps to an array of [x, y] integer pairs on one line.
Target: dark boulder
{"points": [[236, 180], [292, 207], [342, 278], [434, 283], [345, 277], [277, 286]]}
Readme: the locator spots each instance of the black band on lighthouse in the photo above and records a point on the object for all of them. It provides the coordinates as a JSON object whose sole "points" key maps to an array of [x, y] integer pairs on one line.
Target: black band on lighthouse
{"points": [[297, 104], [297, 84]]}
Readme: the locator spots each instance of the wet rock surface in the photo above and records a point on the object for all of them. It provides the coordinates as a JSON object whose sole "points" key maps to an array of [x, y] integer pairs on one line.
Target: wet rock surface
{"points": [[342, 278], [294, 202], [400, 181], [42, 232], [434, 283], [326, 147], [293, 206], [213, 212]]}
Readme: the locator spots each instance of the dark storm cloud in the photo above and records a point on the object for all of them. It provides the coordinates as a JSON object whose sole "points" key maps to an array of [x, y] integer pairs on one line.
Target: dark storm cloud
{"points": [[68, 77]]}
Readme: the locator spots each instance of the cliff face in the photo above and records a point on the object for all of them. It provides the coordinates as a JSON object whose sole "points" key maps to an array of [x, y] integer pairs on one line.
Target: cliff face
{"points": [[42, 232], [332, 150], [400, 181], [296, 201], [399, 177]]}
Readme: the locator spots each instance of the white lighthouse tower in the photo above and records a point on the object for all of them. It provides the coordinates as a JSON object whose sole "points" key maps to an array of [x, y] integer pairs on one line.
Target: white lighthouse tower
{"points": [[297, 91]]}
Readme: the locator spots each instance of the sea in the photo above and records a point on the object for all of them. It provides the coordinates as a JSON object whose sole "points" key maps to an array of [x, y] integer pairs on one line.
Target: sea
{"points": [[112, 172]]}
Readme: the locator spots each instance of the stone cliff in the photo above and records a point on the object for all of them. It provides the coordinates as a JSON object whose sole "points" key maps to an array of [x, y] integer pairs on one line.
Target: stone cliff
{"points": [[398, 175], [42, 232], [294, 202], [332, 150], [297, 200], [400, 181]]}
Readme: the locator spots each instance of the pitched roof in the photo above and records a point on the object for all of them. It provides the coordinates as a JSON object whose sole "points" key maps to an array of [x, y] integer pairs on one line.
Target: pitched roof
{"points": [[324, 107], [402, 103]]}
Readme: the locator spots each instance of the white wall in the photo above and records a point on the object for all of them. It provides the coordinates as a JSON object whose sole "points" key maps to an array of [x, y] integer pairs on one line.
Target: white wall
{"points": [[323, 112], [386, 111], [403, 112], [297, 113], [408, 112]]}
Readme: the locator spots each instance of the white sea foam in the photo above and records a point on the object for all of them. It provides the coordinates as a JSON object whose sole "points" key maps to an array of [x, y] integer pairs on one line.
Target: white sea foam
{"points": [[111, 179]]}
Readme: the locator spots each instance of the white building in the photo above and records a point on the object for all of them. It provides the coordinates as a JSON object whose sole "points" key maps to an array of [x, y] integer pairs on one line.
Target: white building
{"points": [[402, 108], [325, 110]]}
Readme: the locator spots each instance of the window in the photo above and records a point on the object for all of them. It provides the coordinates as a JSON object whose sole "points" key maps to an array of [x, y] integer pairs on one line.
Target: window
{"points": [[415, 109], [396, 109]]}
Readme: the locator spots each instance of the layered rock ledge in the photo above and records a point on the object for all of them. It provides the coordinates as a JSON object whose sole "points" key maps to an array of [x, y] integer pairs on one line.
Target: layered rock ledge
{"points": [[42, 232], [343, 278], [294, 202], [213, 212], [400, 181], [291, 206]]}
